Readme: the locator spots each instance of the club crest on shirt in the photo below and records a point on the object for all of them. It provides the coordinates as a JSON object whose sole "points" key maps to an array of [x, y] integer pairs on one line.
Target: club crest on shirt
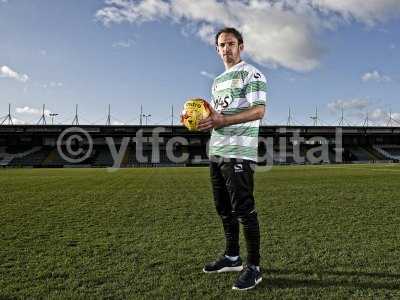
{"points": [[229, 84]]}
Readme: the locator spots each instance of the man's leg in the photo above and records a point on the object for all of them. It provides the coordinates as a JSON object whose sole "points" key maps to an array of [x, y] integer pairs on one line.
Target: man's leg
{"points": [[251, 230], [231, 260], [239, 181], [224, 210], [238, 176]]}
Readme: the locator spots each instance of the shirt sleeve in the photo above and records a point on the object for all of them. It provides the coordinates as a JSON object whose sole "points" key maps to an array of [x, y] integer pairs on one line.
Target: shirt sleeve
{"points": [[256, 89]]}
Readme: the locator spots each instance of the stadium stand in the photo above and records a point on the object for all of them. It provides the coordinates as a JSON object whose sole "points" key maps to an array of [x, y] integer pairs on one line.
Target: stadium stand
{"points": [[34, 159], [54, 159], [131, 157], [388, 151], [20, 156], [360, 154], [36, 145], [103, 157]]}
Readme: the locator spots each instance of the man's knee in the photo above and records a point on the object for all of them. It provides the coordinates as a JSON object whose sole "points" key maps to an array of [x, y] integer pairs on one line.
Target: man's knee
{"points": [[247, 218], [223, 210], [227, 218]]}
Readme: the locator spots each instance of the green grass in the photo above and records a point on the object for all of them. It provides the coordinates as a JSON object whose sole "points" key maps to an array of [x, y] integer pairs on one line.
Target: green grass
{"points": [[327, 232]]}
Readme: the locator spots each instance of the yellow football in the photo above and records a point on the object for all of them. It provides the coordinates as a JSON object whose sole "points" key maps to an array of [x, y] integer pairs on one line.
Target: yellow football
{"points": [[194, 110]]}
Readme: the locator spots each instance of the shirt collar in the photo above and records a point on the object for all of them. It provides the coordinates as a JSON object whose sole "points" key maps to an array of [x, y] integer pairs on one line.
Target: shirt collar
{"points": [[238, 65]]}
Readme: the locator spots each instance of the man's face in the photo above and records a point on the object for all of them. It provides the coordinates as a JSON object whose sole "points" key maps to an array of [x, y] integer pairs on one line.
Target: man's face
{"points": [[228, 48]]}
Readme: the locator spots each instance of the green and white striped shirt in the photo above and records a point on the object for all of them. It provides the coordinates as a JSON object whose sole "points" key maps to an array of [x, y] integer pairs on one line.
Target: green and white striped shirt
{"points": [[237, 89]]}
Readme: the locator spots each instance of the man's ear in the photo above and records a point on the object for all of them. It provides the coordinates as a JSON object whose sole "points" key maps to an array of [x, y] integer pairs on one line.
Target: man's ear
{"points": [[216, 48], [241, 47]]}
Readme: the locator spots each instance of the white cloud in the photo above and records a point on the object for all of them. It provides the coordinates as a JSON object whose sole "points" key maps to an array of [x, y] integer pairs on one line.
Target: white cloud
{"points": [[119, 11], [366, 11], [357, 110], [274, 35], [189, 29], [207, 74], [206, 33], [375, 76], [123, 44], [7, 72], [52, 84], [352, 104], [382, 117], [56, 84], [277, 33], [15, 121], [117, 123], [378, 115], [26, 110], [18, 121]]}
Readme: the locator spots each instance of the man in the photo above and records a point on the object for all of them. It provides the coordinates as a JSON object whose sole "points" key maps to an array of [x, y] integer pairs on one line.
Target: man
{"points": [[238, 104]]}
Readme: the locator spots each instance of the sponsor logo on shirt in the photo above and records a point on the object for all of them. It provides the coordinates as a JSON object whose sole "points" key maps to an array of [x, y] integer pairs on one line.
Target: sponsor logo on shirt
{"points": [[222, 102]]}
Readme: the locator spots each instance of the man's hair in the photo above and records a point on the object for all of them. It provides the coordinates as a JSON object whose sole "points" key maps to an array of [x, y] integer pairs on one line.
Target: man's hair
{"points": [[232, 30]]}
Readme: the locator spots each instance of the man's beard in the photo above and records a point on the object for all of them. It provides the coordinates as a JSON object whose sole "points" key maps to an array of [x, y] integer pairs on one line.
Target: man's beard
{"points": [[229, 59]]}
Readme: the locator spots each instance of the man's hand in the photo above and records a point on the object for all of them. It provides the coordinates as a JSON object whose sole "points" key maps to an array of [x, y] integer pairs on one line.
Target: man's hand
{"points": [[218, 120], [215, 120]]}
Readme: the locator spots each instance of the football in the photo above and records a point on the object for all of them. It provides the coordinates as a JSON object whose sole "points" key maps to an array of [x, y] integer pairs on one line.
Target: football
{"points": [[194, 110]]}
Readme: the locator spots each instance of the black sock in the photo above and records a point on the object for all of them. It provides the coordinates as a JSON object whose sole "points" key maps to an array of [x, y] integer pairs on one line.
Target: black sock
{"points": [[251, 230], [231, 230]]}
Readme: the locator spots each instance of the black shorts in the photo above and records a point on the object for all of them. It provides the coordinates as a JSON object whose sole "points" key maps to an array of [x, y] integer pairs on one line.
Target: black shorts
{"points": [[232, 183]]}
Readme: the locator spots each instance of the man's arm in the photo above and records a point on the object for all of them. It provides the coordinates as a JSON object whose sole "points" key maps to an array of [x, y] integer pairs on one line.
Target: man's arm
{"points": [[218, 120]]}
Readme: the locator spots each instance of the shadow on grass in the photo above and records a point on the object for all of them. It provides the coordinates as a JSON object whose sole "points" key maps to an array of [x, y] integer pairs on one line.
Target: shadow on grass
{"points": [[364, 280]]}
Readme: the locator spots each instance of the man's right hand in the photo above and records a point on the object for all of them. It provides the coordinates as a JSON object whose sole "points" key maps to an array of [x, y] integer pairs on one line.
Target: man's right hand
{"points": [[215, 120]]}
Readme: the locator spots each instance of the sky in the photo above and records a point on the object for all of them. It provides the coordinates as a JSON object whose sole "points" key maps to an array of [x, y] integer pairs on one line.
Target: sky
{"points": [[324, 55]]}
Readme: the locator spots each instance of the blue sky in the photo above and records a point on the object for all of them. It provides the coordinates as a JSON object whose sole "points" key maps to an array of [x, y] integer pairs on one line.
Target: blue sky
{"points": [[315, 53]]}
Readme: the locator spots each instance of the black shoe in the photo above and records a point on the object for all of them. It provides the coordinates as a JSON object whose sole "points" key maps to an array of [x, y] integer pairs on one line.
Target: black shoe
{"points": [[248, 279], [223, 264]]}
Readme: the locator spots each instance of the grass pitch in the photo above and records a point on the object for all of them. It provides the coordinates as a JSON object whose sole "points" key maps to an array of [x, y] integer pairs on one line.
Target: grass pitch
{"points": [[327, 232]]}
